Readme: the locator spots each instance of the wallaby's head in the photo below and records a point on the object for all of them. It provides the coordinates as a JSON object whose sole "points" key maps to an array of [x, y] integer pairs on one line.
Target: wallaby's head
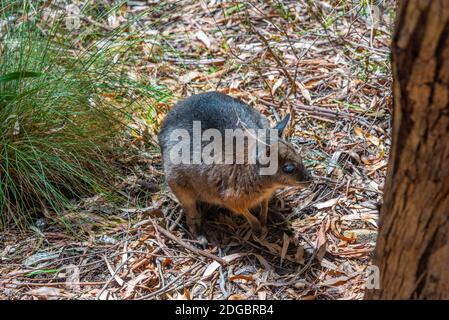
{"points": [[290, 169]]}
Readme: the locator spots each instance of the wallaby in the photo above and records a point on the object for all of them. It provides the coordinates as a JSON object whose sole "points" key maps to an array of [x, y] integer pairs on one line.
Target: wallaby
{"points": [[238, 187]]}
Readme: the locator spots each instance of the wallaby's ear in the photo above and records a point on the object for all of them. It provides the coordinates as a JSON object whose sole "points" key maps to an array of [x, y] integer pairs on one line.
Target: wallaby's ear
{"points": [[282, 124]]}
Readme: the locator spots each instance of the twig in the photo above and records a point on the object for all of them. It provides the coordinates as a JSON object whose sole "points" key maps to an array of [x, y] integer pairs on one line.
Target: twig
{"points": [[315, 110], [190, 247], [112, 277], [214, 61], [164, 288], [51, 284]]}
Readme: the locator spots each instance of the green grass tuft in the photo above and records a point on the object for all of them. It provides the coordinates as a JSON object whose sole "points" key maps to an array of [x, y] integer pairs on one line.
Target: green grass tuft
{"points": [[64, 99]]}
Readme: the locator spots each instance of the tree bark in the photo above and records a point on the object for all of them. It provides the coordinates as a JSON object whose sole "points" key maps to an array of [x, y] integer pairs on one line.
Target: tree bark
{"points": [[413, 248]]}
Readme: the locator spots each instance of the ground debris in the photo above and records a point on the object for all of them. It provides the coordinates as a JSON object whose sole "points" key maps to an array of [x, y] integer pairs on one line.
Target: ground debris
{"points": [[278, 58]]}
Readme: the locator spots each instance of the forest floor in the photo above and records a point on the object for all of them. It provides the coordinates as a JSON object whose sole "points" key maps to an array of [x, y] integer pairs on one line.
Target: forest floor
{"points": [[324, 62]]}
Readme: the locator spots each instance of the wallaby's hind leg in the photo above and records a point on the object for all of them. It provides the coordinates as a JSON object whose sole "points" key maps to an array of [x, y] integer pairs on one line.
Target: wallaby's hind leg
{"points": [[188, 202]]}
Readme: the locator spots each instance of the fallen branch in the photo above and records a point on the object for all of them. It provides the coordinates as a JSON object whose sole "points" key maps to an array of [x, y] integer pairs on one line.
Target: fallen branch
{"points": [[315, 110], [319, 111], [49, 284], [213, 61]]}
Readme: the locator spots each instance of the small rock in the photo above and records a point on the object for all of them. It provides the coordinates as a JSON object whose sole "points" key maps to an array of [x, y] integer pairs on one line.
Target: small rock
{"points": [[40, 257], [107, 240], [41, 223], [361, 235]]}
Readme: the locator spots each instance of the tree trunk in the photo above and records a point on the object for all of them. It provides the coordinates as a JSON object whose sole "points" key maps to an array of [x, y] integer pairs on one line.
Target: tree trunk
{"points": [[413, 248]]}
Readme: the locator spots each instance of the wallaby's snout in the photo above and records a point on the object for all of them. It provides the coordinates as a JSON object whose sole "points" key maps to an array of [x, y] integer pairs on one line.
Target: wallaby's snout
{"points": [[308, 177], [303, 176]]}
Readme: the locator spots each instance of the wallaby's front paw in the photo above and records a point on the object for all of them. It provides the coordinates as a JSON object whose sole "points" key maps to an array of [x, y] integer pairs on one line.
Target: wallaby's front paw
{"points": [[195, 229], [260, 234], [256, 228], [202, 241]]}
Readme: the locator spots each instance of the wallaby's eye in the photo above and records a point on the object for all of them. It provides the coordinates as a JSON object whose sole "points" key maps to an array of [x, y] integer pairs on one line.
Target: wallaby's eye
{"points": [[288, 168]]}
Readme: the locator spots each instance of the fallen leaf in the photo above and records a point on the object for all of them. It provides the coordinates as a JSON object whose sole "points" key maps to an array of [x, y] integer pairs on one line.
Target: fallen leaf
{"points": [[49, 293], [299, 255], [130, 285], [185, 79], [371, 138], [112, 272], [73, 278], [215, 265], [262, 261], [276, 86], [185, 295], [284, 249], [300, 284], [237, 297], [326, 204], [304, 92], [333, 163], [241, 277], [272, 247], [140, 264], [321, 241], [332, 282], [200, 35], [107, 295], [329, 265]]}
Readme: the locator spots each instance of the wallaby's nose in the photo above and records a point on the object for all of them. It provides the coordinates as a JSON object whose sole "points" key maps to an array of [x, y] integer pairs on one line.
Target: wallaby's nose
{"points": [[308, 176], [305, 176]]}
